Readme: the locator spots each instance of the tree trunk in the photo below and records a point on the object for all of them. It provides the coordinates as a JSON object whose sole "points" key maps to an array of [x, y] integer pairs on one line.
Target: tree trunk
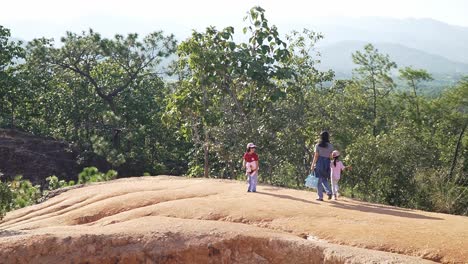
{"points": [[374, 109], [12, 115], [457, 149], [416, 101], [110, 102], [206, 167]]}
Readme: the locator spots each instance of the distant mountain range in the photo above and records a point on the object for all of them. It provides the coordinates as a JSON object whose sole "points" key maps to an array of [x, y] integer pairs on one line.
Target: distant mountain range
{"points": [[440, 48], [427, 35], [435, 46], [338, 57]]}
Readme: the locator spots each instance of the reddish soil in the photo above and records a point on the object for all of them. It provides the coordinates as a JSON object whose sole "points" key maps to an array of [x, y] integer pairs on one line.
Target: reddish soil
{"points": [[178, 220]]}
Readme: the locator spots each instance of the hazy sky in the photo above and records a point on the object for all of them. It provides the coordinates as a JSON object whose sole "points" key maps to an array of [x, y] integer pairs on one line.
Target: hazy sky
{"points": [[51, 18]]}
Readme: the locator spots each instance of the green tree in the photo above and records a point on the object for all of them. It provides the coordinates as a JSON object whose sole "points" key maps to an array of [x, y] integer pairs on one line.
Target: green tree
{"points": [[10, 93], [111, 66], [303, 112], [373, 72], [454, 104], [413, 77], [106, 95], [383, 167], [225, 81]]}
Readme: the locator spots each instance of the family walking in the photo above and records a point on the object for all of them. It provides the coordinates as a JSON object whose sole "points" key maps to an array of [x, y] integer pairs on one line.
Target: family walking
{"points": [[325, 165], [324, 169]]}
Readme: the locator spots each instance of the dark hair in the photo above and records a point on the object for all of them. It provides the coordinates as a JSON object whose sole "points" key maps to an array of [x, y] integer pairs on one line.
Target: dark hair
{"points": [[334, 161], [324, 139], [248, 149]]}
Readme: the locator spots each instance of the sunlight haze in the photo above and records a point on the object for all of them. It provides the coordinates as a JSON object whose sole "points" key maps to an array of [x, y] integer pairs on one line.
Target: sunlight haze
{"points": [[54, 17]]}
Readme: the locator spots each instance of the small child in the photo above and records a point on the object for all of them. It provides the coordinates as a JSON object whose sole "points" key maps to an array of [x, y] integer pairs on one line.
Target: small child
{"points": [[336, 167], [250, 162]]}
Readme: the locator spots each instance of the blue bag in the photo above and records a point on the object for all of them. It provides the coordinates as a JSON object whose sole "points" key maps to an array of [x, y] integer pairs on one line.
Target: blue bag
{"points": [[311, 181]]}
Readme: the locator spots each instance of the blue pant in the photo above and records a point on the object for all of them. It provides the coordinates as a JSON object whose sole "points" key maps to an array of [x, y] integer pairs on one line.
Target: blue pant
{"points": [[253, 178], [322, 172], [322, 186]]}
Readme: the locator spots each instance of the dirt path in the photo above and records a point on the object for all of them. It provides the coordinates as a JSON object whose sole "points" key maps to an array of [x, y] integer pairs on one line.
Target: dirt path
{"points": [[186, 216]]}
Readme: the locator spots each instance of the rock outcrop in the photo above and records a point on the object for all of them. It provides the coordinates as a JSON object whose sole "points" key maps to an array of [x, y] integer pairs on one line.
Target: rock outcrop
{"points": [[178, 220], [35, 157]]}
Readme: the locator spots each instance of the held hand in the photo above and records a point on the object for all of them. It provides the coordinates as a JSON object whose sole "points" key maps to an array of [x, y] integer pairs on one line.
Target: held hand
{"points": [[349, 167]]}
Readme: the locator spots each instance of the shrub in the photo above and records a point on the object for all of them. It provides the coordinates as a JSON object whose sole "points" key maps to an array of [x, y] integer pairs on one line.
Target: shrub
{"points": [[6, 198], [92, 174], [24, 193], [435, 193], [54, 183], [284, 175], [383, 169], [110, 175]]}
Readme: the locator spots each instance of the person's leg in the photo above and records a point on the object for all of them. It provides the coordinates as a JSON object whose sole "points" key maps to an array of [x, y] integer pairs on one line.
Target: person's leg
{"points": [[326, 187], [323, 172], [254, 182], [334, 186], [320, 188], [249, 179]]}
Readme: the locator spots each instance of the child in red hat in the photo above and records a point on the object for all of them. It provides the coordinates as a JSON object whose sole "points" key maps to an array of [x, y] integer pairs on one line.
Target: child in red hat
{"points": [[250, 163]]}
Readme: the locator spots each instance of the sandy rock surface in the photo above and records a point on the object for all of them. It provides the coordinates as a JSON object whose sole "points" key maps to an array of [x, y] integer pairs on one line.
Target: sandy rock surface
{"points": [[177, 220]]}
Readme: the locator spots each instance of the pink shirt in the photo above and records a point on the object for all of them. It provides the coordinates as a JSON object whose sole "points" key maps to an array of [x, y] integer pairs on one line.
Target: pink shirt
{"points": [[336, 171]]}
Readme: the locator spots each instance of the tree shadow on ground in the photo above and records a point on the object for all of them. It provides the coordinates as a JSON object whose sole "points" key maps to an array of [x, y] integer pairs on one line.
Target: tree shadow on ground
{"points": [[273, 188], [283, 196], [380, 209], [389, 207]]}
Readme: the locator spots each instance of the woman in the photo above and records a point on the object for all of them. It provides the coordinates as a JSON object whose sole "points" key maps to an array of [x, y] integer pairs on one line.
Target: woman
{"points": [[321, 165]]}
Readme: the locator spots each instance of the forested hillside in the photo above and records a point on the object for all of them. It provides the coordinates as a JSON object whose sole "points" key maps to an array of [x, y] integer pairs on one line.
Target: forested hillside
{"points": [[108, 97]]}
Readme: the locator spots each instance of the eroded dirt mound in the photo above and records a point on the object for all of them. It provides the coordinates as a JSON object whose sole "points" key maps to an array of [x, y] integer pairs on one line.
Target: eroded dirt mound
{"points": [[35, 157], [177, 220]]}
